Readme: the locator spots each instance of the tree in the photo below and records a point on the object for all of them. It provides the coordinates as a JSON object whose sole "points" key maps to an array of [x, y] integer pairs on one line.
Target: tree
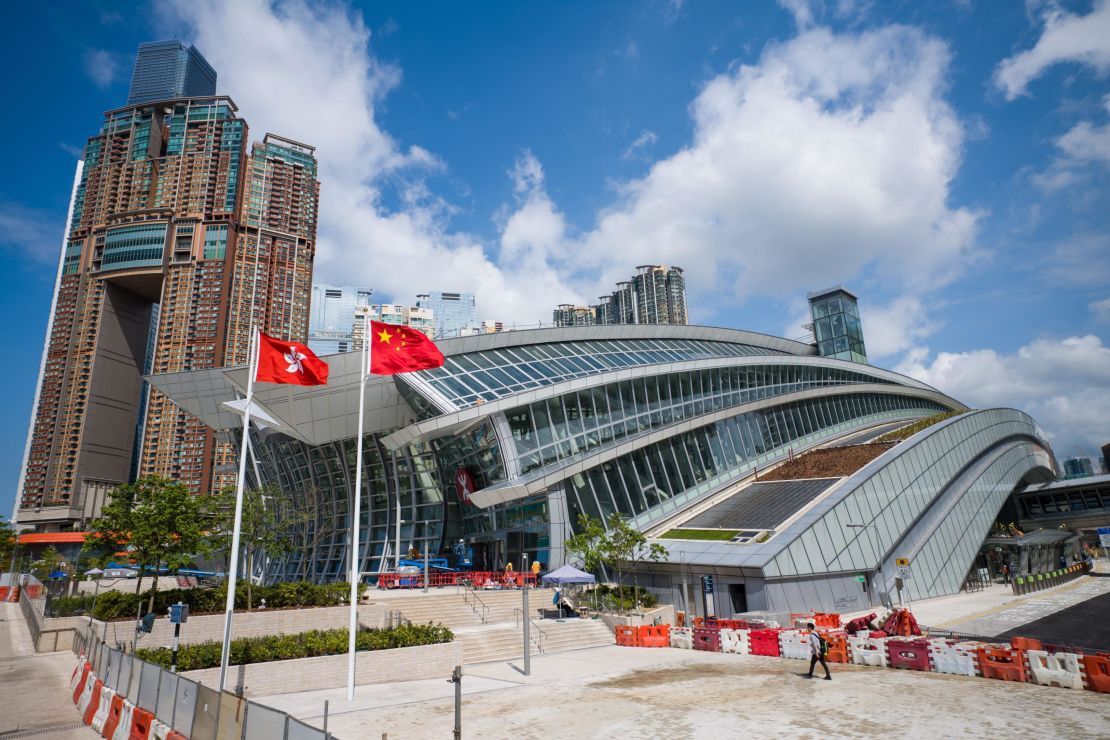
{"points": [[7, 543], [590, 545], [158, 521], [44, 566], [626, 544], [266, 528]]}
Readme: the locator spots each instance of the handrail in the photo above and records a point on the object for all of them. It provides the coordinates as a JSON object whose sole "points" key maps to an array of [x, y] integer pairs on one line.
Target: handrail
{"points": [[467, 594], [517, 614]]}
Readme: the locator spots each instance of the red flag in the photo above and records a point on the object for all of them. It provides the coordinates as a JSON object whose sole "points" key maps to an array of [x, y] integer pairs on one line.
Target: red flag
{"points": [[289, 362], [399, 349]]}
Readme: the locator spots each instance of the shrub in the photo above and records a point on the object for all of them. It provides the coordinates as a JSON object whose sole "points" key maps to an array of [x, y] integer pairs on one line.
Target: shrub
{"points": [[623, 598], [125, 605], [69, 606], [311, 644]]}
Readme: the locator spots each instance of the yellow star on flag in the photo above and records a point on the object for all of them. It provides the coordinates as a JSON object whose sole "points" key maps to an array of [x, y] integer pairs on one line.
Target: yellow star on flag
{"points": [[384, 336]]}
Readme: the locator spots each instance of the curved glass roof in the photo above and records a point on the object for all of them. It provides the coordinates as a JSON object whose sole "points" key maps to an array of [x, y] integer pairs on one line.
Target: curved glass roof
{"points": [[469, 379]]}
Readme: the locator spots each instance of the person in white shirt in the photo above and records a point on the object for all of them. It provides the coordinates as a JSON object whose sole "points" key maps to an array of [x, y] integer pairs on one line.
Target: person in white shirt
{"points": [[817, 653]]}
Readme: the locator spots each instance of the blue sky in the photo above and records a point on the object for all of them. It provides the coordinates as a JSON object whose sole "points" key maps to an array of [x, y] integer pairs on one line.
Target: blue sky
{"points": [[948, 161]]}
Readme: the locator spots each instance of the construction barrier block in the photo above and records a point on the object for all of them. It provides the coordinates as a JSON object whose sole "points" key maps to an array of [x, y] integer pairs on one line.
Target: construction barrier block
{"points": [[826, 620], [115, 712], [123, 729], [707, 639], [1059, 669], [765, 642], [731, 624], [141, 721], [868, 650], [87, 695], [735, 641], [101, 716], [838, 646], [912, 655], [1097, 671], [76, 675], [159, 730], [93, 705], [1001, 662], [1025, 643], [175, 735], [794, 644], [954, 658], [655, 636], [627, 636], [682, 637], [80, 688]]}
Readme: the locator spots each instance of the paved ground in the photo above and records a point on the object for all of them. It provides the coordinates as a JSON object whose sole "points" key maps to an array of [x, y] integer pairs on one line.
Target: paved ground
{"points": [[34, 688], [1085, 625], [614, 692]]}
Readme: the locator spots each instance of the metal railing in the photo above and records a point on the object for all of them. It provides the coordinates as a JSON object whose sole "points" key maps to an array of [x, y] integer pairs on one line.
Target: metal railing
{"points": [[471, 599], [518, 614], [189, 707]]}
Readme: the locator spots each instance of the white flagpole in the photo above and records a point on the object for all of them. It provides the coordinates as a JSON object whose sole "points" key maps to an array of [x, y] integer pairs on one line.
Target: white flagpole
{"points": [[357, 517], [233, 567]]}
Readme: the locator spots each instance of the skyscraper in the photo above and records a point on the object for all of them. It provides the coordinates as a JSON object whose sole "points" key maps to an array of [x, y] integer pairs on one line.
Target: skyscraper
{"points": [[836, 324], [656, 294], [1078, 467], [173, 218], [453, 311], [169, 69], [567, 314], [332, 316], [414, 317]]}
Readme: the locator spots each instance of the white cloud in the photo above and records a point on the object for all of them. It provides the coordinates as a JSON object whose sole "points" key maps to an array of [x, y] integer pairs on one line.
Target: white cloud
{"points": [[1064, 384], [896, 327], [1087, 142], [644, 140], [101, 66], [802, 10], [31, 232], [305, 71], [1067, 37], [1101, 310]]}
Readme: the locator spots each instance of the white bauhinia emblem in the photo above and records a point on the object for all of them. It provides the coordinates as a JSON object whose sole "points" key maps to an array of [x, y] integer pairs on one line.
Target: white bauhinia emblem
{"points": [[294, 357]]}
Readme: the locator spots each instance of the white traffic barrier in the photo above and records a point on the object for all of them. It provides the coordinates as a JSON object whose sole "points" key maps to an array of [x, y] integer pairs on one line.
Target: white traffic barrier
{"points": [[159, 730], [868, 650], [123, 729], [954, 658], [794, 644], [75, 677], [735, 641], [682, 637], [1061, 669], [86, 694], [101, 715]]}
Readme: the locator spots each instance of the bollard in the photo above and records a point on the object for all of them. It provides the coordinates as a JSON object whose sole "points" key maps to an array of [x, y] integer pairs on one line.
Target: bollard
{"points": [[456, 678]]}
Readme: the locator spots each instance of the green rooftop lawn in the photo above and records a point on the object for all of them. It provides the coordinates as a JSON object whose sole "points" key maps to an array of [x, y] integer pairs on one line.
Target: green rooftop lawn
{"points": [[699, 534]]}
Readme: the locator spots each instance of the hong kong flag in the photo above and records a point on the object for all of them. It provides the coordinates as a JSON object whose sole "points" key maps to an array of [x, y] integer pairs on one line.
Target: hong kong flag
{"points": [[399, 349], [288, 362]]}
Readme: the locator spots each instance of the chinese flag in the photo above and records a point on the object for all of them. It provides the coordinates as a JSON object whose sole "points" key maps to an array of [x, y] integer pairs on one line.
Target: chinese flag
{"points": [[399, 349], [288, 362]]}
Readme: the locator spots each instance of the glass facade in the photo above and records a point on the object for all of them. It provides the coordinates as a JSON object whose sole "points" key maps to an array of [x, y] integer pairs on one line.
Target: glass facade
{"points": [[655, 480], [836, 325], [452, 312], [892, 499], [559, 428], [133, 246], [470, 379], [169, 69]]}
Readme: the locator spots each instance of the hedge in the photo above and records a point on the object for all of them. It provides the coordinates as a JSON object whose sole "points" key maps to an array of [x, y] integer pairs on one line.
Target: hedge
{"points": [[125, 605], [311, 644]]}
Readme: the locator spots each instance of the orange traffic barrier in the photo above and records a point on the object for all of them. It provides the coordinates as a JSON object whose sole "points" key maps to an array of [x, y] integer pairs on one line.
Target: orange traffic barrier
{"points": [[1025, 643], [94, 702], [114, 713], [1096, 670], [141, 720], [826, 620], [627, 636], [699, 622], [680, 619], [838, 646], [1003, 663], [655, 636], [81, 682], [175, 735]]}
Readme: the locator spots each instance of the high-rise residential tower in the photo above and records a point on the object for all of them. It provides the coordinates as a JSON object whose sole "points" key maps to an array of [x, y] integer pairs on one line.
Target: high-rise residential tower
{"points": [[656, 294], [170, 69], [567, 314], [453, 311], [332, 317], [414, 317], [180, 240]]}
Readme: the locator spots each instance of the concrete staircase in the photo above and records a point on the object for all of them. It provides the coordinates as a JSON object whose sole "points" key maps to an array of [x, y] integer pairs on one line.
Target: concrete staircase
{"points": [[500, 637]]}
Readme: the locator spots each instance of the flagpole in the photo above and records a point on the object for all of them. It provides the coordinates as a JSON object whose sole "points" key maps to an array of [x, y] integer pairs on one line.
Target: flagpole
{"points": [[356, 519], [233, 566]]}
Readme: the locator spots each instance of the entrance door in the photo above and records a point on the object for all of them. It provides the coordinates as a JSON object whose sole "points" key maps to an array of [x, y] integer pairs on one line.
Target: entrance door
{"points": [[739, 598]]}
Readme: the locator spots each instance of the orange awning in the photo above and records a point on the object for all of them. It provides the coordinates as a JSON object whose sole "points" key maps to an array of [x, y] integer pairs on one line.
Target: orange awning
{"points": [[51, 538]]}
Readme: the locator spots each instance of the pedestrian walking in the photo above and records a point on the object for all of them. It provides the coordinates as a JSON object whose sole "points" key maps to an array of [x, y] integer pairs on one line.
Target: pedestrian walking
{"points": [[818, 647]]}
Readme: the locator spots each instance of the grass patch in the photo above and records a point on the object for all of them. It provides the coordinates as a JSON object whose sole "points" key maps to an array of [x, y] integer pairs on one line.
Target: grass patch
{"points": [[908, 431], [700, 534]]}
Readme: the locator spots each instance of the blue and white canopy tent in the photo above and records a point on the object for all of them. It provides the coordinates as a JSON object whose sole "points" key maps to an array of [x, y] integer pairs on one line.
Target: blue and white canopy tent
{"points": [[565, 576]]}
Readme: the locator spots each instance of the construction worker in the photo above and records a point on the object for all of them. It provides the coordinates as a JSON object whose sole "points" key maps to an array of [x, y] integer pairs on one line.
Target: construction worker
{"points": [[536, 570]]}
